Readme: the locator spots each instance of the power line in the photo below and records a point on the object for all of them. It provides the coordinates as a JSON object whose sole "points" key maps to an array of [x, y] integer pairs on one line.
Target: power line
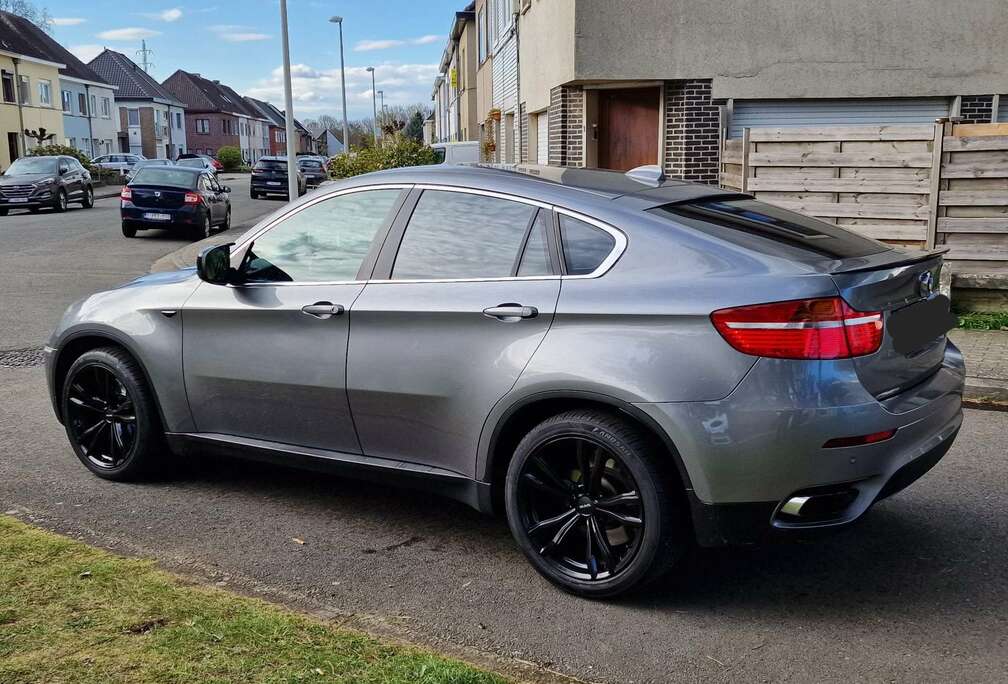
{"points": [[144, 53]]}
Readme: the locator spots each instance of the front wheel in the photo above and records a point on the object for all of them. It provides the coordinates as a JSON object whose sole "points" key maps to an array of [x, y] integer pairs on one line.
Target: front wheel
{"points": [[88, 200], [60, 204], [592, 503], [110, 415]]}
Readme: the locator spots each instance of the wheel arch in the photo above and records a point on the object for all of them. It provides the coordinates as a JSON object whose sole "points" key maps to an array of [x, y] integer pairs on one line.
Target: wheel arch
{"points": [[499, 442]]}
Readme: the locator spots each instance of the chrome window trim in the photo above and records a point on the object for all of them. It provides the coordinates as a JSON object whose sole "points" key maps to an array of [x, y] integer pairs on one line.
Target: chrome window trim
{"points": [[618, 236]]}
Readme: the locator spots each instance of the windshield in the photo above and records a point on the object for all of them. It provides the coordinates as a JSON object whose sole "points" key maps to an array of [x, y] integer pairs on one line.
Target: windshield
{"points": [[32, 165], [163, 175], [197, 162], [439, 155]]}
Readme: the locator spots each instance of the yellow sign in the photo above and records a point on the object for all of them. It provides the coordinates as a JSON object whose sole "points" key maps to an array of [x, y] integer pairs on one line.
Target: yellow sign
{"points": [[454, 78]]}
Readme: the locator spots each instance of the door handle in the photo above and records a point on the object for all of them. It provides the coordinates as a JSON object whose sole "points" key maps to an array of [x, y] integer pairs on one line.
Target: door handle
{"points": [[322, 310], [511, 312]]}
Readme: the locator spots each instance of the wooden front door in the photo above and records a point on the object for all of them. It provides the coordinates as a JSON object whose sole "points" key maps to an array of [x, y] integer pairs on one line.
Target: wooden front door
{"points": [[628, 128]]}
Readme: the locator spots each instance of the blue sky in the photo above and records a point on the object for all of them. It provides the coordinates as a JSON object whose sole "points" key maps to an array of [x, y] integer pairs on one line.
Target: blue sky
{"points": [[238, 43]]}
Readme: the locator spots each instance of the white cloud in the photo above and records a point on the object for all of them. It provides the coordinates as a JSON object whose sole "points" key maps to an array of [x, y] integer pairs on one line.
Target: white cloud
{"points": [[86, 53], [67, 21], [386, 43], [244, 37], [169, 15], [128, 34], [317, 91]]}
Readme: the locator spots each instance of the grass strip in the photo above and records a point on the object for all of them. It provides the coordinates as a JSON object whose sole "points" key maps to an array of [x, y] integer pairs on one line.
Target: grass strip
{"points": [[73, 613]]}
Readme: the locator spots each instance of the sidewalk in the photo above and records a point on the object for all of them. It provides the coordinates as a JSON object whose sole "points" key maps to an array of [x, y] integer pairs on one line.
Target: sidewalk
{"points": [[986, 353]]}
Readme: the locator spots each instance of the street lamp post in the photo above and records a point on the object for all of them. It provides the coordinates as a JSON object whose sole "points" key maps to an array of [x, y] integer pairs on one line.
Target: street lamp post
{"points": [[374, 107], [342, 70], [292, 170], [381, 104]]}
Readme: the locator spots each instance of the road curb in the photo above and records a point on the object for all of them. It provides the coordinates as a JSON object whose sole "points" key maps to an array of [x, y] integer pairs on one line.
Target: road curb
{"points": [[985, 394]]}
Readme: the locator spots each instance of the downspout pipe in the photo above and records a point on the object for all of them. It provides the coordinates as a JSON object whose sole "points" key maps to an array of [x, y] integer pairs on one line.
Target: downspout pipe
{"points": [[87, 98], [17, 98]]}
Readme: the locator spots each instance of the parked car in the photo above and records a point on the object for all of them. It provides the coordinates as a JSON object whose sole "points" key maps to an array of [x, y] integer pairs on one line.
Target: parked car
{"points": [[143, 163], [121, 162], [269, 177], [36, 182], [203, 163], [213, 160], [175, 197], [625, 365], [314, 171], [456, 152]]}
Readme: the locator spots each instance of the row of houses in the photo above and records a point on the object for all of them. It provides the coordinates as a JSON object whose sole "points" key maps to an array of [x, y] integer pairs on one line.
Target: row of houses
{"points": [[111, 105], [598, 83]]}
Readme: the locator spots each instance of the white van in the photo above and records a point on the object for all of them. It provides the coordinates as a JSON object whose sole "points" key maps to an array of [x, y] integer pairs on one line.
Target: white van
{"points": [[456, 152]]}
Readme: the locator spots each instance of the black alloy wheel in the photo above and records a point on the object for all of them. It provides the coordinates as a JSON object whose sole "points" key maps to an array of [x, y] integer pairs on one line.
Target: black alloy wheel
{"points": [[61, 202], [590, 502], [204, 229], [88, 200], [101, 416]]}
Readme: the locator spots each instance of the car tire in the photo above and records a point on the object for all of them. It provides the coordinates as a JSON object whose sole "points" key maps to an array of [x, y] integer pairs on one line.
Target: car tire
{"points": [[621, 526], [88, 200], [227, 220], [253, 195], [128, 230], [60, 203], [204, 229], [3, 212], [111, 417]]}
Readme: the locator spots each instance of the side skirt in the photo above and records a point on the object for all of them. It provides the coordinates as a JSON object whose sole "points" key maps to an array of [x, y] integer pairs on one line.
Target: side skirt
{"points": [[385, 471]]}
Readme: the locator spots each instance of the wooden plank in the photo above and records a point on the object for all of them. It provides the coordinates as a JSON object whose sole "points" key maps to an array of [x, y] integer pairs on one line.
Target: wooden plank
{"points": [[730, 157], [975, 143], [973, 198], [938, 133], [731, 180], [841, 133], [733, 144], [973, 254], [919, 186], [746, 153], [973, 225], [894, 231], [969, 130], [857, 210], [920, 160], [991, 170]]}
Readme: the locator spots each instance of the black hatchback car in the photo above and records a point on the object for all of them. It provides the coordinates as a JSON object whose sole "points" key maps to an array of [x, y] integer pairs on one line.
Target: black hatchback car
{"points": [[175, 197], [314, 171], [34, 183], [269, 177]]}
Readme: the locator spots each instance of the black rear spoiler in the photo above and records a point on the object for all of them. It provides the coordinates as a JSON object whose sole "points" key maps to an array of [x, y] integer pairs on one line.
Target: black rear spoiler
{"points": [[888, 259]]}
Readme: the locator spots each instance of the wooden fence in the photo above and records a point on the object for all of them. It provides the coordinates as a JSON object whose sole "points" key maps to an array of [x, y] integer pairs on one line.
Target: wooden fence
{"points": [[916, 186]]}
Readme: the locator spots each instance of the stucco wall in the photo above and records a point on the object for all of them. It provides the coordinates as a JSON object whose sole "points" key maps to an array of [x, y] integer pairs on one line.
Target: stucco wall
{"points": [[795, 48], [35, 116], [75, 122], [546, 52]]}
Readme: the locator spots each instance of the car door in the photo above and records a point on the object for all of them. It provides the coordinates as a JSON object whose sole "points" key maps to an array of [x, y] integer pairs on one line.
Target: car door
{"points": [[212, 198], [463, 293], [267, 359]]}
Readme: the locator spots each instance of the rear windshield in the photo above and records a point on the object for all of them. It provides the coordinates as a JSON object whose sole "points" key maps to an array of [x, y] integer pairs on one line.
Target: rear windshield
{"points": [[194, 162], [271, 165], [439, 155], [163, 175], [310, 164], [761, 225]]}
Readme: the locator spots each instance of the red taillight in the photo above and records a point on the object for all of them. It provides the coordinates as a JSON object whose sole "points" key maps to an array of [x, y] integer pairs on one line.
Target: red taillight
{"points": [[860, 440], [126, 194], [801, 329], [192, 198]]}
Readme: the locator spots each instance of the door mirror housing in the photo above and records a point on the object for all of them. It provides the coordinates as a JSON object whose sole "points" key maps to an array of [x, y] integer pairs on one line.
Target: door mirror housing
{"points": [[64, 169], [226, 188], [213, 265]]}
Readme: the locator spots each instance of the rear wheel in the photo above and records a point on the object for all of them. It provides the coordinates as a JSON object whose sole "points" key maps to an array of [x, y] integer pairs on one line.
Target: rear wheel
{"points": [[60, 203], [128, 230], [592, 505], [253, 194], [227, 220], [3, 212], [110, 415], [203, 230], [88, 200]]}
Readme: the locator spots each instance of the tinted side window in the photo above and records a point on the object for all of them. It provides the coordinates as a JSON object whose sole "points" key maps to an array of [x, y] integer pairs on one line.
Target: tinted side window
{"points": [[536, 259], [324, 242], [585, 247], [461, 235]]}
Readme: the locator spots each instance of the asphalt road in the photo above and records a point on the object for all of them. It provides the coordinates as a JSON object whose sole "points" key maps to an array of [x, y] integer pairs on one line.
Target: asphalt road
{"points": [[49, 260], [918, 591]]}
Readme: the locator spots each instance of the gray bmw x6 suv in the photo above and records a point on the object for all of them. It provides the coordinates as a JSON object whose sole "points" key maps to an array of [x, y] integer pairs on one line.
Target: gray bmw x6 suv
{"points": [[624, 365]]}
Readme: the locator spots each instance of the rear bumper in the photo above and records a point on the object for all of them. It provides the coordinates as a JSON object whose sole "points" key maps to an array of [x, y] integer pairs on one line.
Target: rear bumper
{"points": [[749, 454], [264, 188], [189, 215]]}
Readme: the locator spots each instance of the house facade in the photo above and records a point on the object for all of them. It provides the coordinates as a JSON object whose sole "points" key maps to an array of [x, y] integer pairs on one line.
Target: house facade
{"points": [[454, 95], [328, 143], [148, 119], [272, 126]]}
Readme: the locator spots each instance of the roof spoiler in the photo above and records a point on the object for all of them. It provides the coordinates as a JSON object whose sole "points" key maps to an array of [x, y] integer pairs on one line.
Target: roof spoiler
{"points": [[652, 175]]}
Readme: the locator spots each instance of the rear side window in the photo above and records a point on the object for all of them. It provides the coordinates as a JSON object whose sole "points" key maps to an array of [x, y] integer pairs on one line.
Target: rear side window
{"points": [[585, 246], [270, 165], [535, 259], [462, 235], [740, 220]]}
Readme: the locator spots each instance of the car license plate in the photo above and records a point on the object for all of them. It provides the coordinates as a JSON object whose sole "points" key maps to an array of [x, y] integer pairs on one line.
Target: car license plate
{"points": [[151, 216], [913, 327], [272, 182], [18, 199]]}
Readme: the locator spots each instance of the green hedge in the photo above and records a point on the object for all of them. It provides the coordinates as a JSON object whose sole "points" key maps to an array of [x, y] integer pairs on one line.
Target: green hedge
{"points": [[53, 150], [391, 154], [230, 157]]}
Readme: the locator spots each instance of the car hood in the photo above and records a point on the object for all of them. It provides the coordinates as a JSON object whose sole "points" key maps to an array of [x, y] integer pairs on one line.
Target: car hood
{"points": [[163, 278], [24, 178]]}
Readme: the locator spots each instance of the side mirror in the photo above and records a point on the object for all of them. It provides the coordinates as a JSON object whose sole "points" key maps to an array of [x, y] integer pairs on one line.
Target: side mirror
{"points": [[226, 188], [64, 169], [213, 264]]}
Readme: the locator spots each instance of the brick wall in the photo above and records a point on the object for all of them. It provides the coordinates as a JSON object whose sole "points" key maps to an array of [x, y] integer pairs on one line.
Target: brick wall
{"points": [[148, 143], [215, 139], [977, 108], [566, 126], [691, 131]]}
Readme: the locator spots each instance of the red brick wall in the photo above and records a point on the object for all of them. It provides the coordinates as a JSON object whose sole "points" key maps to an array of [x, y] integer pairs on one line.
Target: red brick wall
{"points": [[215, 139]]}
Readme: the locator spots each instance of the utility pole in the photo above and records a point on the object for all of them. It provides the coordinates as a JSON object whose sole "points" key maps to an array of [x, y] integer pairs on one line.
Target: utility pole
{"points": [[292, 169], [374, 105], [144, 53], [342, 69]]}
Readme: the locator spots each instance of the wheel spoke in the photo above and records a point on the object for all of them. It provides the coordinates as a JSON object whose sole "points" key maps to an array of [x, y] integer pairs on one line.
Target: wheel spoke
{"points": [[544, 487], [560, 535], [117, 433], [111, 442], [628, 520], [589, 554], [90, 431], [93, 440], [602, 542], [582, 462], [597, 469], [549, 522], [562, 485], [84, 403], [620, 499]]}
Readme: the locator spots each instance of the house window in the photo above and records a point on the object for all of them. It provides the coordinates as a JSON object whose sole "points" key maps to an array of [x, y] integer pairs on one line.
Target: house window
{"points": [[106, 108], [24, 90], [202, 125], [67, 101], [481, 36], [45, 93], [8, 86], [82, 104], [94, 105], [133, 116], [178, 119]]}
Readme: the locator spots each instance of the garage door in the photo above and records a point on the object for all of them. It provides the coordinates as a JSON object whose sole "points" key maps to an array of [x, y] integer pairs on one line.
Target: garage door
{"points": [[542, 138], [764, 113], [1002, 116]]}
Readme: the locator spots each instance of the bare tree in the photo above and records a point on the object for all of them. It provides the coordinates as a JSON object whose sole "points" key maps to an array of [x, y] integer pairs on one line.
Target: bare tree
{"points": [[36, 15]]}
